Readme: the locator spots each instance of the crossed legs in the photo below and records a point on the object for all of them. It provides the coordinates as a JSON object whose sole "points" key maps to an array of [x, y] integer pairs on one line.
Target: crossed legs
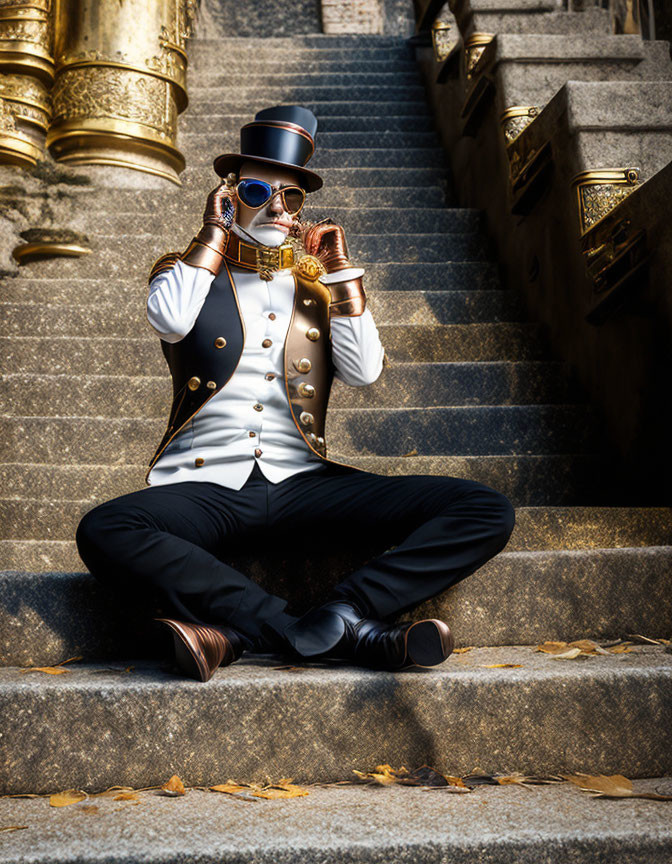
{"points": [[169, 537]]}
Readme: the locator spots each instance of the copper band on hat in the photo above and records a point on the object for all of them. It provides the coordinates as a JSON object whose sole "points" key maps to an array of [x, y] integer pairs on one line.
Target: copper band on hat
{"points": [[291, 127]]}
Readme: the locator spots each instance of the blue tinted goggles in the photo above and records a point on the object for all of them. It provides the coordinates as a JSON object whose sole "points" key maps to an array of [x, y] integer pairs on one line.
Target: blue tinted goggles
{"points": [[255, 193]]}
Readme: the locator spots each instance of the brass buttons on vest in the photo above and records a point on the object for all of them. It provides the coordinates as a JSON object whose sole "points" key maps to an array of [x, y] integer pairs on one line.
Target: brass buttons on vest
{"points": [[194, 383], [267, 343], [257, 452], [306, 390], [199, 461], [313, 334], [309, 301], [211, 385], [272, 316], [306, 418], [252, 434], [269, 376], [320, 441], [258, 407], [303, 365], [220, 342]]}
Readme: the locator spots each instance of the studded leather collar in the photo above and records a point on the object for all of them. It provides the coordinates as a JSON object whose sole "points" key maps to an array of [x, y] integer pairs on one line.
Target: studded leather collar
{"points": [[258, 257]]}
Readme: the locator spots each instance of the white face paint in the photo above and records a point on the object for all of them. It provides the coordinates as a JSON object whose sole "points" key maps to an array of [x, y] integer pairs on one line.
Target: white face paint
{"points": [[270, 224]]}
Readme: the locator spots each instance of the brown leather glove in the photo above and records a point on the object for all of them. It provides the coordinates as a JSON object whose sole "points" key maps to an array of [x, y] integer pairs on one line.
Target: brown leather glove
{"points": [[207, 248], [326, 241]]}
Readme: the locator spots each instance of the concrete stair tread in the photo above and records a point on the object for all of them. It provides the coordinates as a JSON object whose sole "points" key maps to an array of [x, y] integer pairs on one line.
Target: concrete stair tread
{"points": [[52, 608], [528, 480], [356, 823], [541, 527], [358, 708]]}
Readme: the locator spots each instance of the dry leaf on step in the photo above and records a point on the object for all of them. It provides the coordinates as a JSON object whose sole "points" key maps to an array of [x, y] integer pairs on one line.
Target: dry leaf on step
{"points": [[174, 786], [611, 786], [56, 669], [69, 796], [500, 665]]}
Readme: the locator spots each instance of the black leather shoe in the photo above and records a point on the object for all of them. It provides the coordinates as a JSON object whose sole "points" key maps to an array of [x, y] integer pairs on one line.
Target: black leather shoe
{"points": [[323, 628], [201, 648], [336, 629], [397, 646]]}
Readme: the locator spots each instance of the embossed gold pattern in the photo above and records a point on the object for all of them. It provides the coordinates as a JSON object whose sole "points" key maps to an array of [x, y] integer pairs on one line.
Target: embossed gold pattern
{"points": [[26, 71], [515, 119], [121, 83], [599, 191]]}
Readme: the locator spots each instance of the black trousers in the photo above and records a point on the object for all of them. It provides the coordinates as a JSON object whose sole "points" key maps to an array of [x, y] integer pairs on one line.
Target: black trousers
{"points": [[172, 537]]}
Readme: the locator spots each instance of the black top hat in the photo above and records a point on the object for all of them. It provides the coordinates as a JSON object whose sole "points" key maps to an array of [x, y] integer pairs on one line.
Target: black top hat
{"points": [[283, 135]]}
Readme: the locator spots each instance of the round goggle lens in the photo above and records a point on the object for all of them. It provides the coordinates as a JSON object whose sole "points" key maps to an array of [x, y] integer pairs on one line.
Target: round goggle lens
{"points": [[255, 193], [293, 200]]}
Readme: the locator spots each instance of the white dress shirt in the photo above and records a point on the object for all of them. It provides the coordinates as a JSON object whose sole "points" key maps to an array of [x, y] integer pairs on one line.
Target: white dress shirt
{"points": [[228, 429]]}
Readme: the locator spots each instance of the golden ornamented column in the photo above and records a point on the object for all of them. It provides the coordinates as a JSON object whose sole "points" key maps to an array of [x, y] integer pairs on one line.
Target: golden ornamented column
{"points": [[120, 83], [26, 73]]}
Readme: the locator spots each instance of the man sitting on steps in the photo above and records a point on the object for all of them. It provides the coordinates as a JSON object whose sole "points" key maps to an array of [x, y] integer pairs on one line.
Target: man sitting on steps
{"points": [[253, 340]]}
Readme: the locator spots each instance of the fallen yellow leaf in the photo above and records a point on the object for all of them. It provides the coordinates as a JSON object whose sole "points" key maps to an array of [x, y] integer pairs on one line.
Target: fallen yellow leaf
{"points": [[611, 786], [288, 791], [126, 796], [500, 665], [568, 655], [463, 650], [13, 827], [413, 452], [231, 788], [69, 796], [174, 786]]}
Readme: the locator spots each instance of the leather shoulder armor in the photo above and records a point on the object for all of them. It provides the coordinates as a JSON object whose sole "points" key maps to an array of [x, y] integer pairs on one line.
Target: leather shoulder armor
{"points": [[165, 262]]}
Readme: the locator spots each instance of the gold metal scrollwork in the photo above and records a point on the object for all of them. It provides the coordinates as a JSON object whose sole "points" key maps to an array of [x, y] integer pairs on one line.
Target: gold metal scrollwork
{"points": [[120, 83], [26, 72]]}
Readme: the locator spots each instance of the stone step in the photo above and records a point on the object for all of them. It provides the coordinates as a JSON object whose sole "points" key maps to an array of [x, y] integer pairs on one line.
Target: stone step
{"points": [[408, 385], [559, 479], [105, 355], [372, 107], [126, 315], [381, 157], [52, 724], [190, 198], [135, 254], [190, 123], [464, 430], [336, 824], [312, 65], [530, 69], [490, 17], [536, 528], [450, 276], [205, 179], [214, 141], [207, 54], [370, 220], [287, 92], [279, 77], [224, 46]]}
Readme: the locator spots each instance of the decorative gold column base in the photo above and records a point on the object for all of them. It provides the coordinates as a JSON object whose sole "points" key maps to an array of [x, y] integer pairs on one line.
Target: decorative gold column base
{"points": [[126, 145]]}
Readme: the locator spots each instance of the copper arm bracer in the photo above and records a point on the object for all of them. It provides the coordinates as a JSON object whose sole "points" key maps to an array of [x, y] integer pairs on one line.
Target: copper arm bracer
{"points": [[207, 248], [347, 298]]}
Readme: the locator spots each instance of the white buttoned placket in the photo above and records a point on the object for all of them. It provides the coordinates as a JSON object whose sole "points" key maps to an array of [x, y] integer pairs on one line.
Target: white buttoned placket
{"points": [[249, 420]]}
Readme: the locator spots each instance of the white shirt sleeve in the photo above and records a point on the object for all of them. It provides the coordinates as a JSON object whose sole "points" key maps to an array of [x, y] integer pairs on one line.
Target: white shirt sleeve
{"points": [[176, 296], [356, 349]]}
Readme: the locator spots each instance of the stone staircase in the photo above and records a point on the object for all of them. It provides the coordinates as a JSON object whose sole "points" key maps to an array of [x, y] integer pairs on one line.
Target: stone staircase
{"points": [[470, 391]]}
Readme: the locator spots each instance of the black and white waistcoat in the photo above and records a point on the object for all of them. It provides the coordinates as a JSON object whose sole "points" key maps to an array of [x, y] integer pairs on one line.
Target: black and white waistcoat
{"points": [[205, 359]]}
